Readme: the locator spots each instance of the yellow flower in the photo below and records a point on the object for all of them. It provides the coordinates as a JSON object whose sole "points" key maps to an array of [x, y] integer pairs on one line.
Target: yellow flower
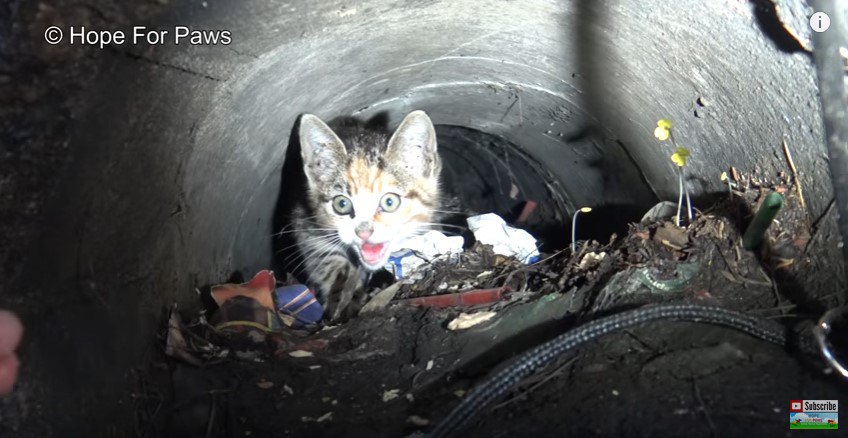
{"points": [[663, 130], [679, 157], [724, 176]]}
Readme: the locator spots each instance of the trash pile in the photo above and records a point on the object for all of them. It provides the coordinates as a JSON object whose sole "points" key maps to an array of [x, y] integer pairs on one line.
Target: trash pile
{"points": [[489, 229], [253, 320], [458, 308], [261, 318], [656, 261]]}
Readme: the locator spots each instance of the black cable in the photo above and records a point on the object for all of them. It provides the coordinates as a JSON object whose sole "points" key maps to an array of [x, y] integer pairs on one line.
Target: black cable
{"points": [[538, 357]]}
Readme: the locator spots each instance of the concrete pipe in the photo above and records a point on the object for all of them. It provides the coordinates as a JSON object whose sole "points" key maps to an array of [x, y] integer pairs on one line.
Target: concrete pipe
{"points": [[178, 161]]}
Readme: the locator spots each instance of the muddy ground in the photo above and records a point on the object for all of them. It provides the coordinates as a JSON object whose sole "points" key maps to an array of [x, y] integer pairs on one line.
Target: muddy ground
{"points": [[400, 370]]}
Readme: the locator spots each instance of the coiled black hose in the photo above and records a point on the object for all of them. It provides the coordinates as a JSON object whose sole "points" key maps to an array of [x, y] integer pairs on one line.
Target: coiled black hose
{"points": [[529, 362]]}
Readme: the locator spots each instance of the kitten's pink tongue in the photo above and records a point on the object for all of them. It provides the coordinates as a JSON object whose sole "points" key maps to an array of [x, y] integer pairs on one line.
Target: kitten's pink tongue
{"points": [[371, 253]]}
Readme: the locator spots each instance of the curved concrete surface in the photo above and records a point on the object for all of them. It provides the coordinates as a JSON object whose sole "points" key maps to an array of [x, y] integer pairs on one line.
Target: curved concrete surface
{"points": [[177, 165]]}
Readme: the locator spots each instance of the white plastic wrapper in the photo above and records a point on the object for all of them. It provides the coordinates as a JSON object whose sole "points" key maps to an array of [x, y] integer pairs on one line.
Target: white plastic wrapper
{"points": [[418, 250], [663, 210], [490, 229]]}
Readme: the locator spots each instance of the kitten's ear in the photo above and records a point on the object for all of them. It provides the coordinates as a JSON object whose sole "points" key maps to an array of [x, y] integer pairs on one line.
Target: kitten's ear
{"points": [[322, 151], [413, 145]]}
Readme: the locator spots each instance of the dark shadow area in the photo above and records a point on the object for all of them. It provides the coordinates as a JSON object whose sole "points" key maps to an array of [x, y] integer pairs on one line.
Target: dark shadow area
{"points": [[775, 27], [594, 70], [838, 336], [487, 174], [604, 221], [292, 189]]}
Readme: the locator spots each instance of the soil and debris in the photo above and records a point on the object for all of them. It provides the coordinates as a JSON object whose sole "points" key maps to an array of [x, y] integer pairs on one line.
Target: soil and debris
{"points": [[399, 367]]}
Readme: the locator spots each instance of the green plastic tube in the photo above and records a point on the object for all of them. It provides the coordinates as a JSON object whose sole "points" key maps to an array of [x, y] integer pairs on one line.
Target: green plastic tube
{"points": [[756, 231]]}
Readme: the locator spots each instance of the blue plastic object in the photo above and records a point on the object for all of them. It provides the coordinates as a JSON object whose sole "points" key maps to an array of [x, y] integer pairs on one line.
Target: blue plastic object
{"points": [[299, 302]]}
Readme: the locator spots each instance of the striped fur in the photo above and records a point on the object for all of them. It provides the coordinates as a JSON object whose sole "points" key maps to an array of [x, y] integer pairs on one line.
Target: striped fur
{"points": [[367, 169]]}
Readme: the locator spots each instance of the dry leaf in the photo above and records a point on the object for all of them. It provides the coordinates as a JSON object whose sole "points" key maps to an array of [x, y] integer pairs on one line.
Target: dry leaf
{"points": [[466, 320], [300, 353], [418, 421], [391, 394]]}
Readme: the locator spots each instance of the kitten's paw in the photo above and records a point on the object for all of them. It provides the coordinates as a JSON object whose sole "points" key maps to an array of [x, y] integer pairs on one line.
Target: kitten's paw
{"points": [[335, 314], [341, 311]]}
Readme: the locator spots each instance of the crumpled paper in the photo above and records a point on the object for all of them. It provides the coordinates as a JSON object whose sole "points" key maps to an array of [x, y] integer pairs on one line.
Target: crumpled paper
{"points": [[420, 249], [491, 229]]}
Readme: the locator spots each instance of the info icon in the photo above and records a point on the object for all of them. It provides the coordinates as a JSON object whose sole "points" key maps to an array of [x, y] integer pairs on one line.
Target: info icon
{"points": [[796, 406]]}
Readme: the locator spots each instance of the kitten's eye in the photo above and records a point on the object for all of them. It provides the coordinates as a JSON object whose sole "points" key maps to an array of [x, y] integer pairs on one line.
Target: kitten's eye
{"points": [[390, 202], [342, 205]]}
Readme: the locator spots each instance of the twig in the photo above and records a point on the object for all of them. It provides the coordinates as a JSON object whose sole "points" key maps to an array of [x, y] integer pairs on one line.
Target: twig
{"points": [[781, 309], [731, 270], [774, 289], [535, 386], [529, 267], [150, 419], [817, 224], [755, 282], [824, 215], [726, 178], [735, 174], [726, 261], [711, 259], [212, 392], [794, 174], [671, 245], [211, 418], [640, 341], [704, 408], [785, 315], [520, 109]]}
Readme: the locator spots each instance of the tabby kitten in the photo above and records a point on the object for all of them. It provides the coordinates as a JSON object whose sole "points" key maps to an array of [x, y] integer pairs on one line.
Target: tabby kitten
{"points": [[365, 194]]}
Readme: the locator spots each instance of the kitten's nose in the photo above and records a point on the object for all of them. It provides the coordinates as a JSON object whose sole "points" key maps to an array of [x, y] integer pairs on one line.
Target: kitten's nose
{"points": [[364, 230]]}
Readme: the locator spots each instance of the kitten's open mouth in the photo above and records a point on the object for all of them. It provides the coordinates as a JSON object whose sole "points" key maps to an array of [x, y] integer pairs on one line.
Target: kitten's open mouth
{"points": [[372, 254]]}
